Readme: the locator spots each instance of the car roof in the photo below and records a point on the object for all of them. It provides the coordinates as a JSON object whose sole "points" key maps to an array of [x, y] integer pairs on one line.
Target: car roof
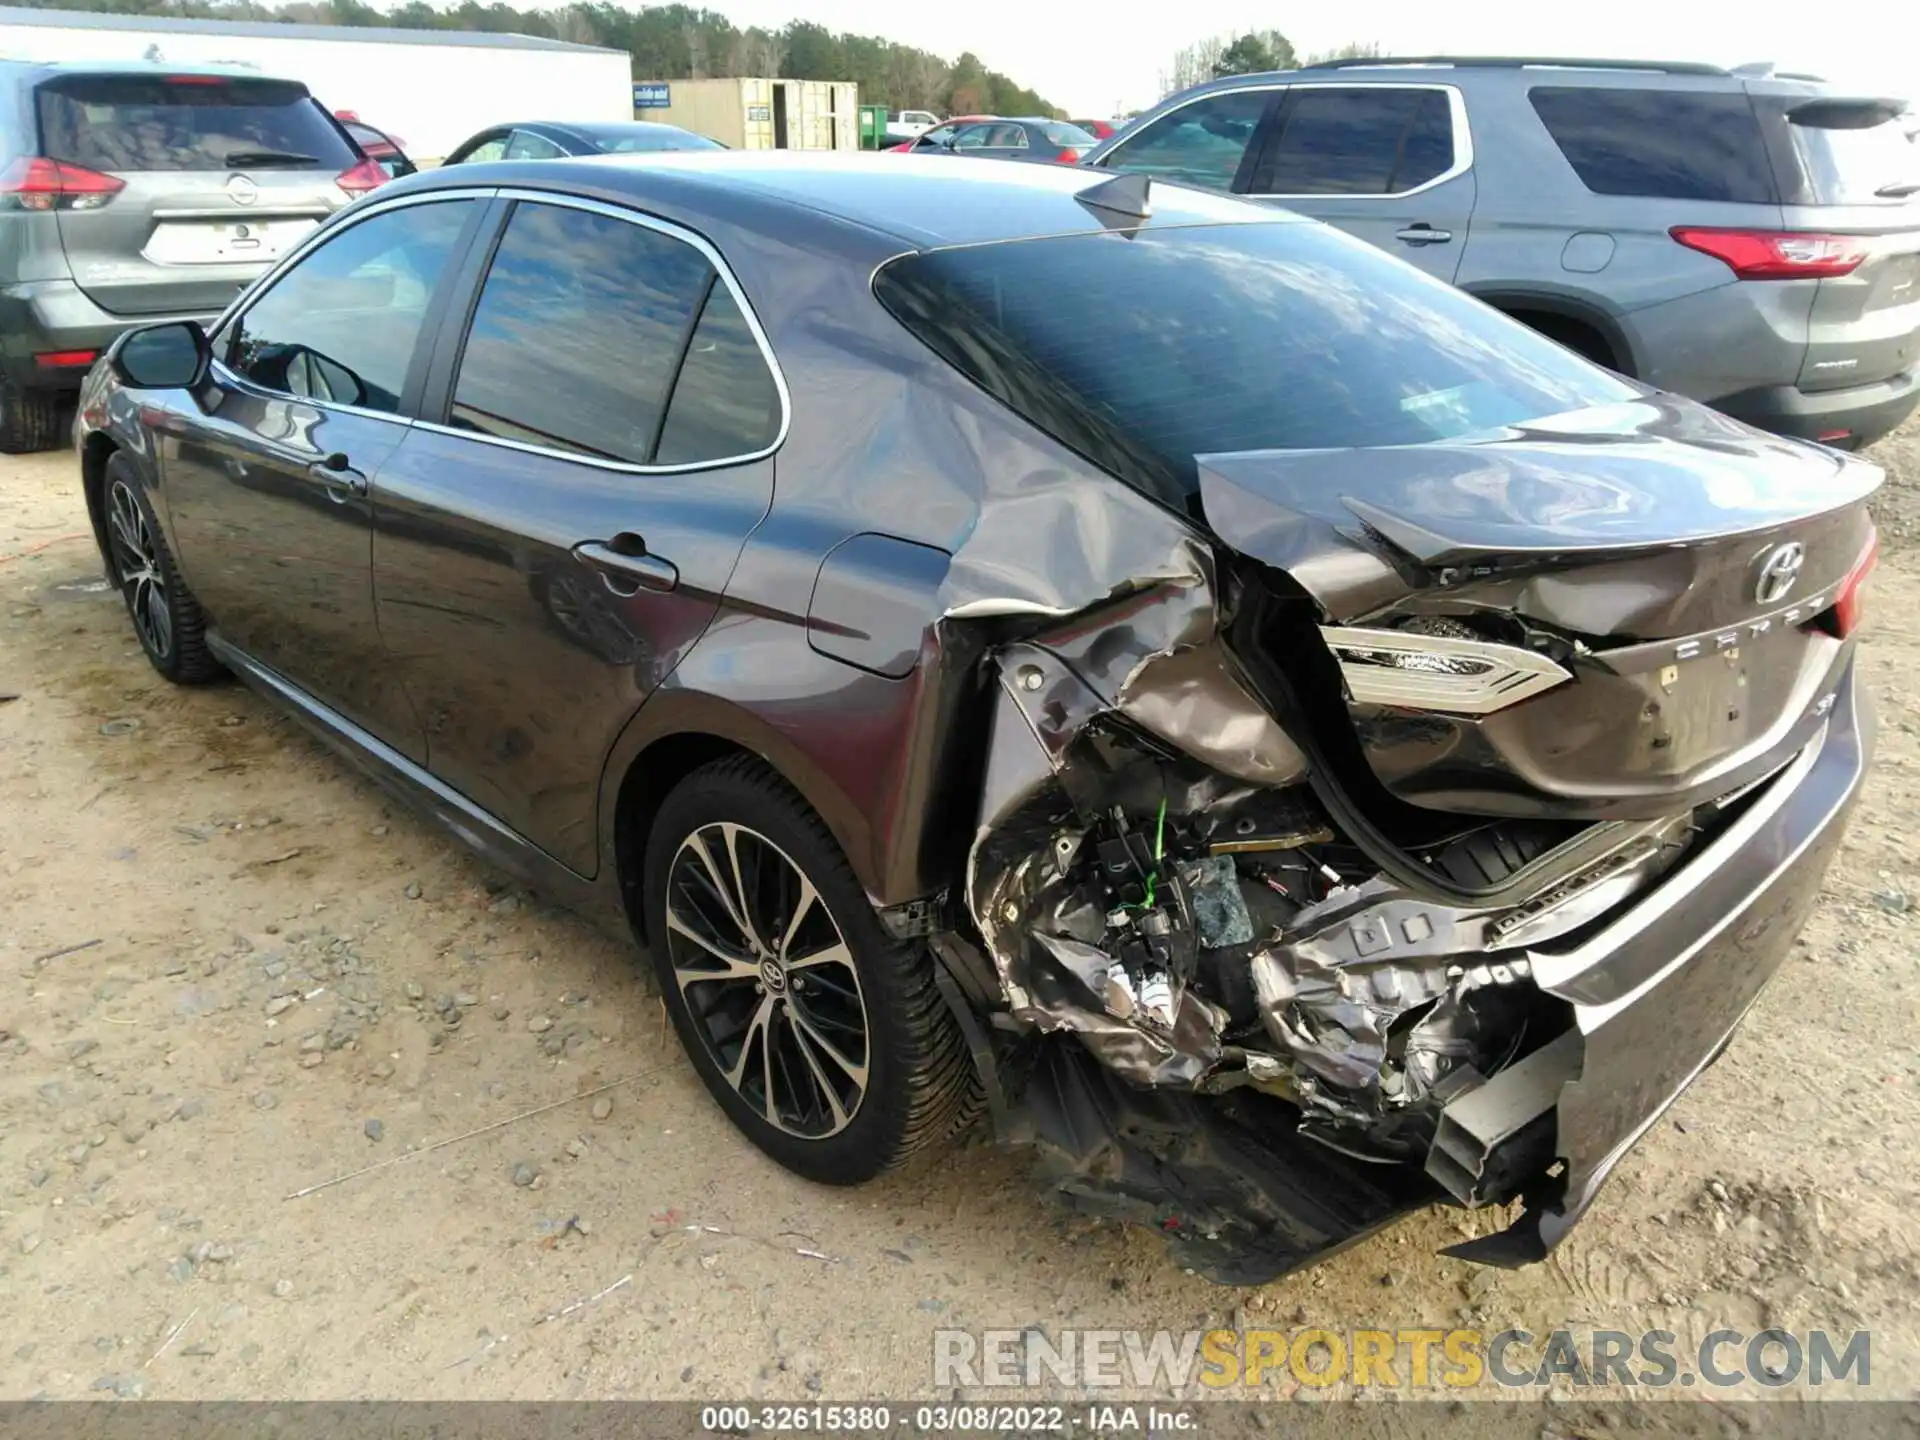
{"points": [[46, 69], [621, 129], [923, 202]]}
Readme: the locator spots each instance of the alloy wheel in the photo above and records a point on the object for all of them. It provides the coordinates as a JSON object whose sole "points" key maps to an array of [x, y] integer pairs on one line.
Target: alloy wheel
{"points": [[136, 558], [768, 979]]}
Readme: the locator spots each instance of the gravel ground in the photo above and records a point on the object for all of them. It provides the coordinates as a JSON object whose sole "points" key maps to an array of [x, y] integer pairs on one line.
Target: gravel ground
{"points": [[273, 978]]}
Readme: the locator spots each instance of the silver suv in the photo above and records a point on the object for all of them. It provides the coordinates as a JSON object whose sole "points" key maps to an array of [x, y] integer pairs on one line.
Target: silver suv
{"points": [[1744, 237], [135, 193]]}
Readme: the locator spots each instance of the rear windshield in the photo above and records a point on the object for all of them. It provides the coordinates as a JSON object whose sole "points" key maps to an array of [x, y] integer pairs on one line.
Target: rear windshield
{"points": [[1061, 133], [1845, 162], [141, 122], [1142, 350]]}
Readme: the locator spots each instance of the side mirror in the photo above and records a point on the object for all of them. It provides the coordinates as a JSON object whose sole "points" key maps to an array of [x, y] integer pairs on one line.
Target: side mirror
{"points": [[163, 357]]}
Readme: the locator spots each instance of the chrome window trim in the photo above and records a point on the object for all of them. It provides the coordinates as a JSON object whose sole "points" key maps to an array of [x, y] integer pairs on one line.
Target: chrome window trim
{"points": [[263, 286], [720, 269], [713, 257], [1456, 112]]}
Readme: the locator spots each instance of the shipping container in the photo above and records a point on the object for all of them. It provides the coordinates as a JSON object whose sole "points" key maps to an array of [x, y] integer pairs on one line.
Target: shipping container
{"points": [[433, 88], [757, 114]]}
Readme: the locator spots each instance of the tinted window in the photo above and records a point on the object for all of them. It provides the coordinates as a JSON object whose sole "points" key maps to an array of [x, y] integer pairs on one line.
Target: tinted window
{"points": [[1672, 144], [1234, 337], [577, 332], [527, 146], [724, 402], [1199, 144], [486, 150], [661, 139], [137, 122], [341, 325], [973, 137], [1355, 142]]}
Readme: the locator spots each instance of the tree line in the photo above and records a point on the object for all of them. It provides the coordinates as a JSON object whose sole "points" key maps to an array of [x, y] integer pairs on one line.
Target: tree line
{"points": [[1253, 53], [666, 42]]}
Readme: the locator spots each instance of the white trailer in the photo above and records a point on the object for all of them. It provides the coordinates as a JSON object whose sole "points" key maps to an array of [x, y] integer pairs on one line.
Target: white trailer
{"points": [[432, 88]]}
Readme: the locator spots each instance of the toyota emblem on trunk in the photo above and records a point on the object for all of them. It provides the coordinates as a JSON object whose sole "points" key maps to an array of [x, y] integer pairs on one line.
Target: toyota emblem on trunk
{"points": [[243, 190], [1779, 571]]}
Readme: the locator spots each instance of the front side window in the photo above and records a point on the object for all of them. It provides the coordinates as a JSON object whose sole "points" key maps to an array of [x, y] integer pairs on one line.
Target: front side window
{"points": [[1667, 144], [1281, 336], [974, 137], [578, 333], [1202, 144], [1360, 140], [342, 324], [525, 145]]}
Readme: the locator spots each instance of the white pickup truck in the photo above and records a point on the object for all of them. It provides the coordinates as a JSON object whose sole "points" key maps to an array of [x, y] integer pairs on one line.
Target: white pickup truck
{"points": [[910, 125]]}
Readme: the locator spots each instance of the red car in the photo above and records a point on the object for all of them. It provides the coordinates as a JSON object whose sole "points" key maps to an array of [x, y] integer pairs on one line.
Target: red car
{"points": [[384, 149], [1101, 129], [932, 138]]}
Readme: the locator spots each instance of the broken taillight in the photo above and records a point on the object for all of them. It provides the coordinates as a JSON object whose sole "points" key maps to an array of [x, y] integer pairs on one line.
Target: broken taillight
{"points": [[1842, 618]]}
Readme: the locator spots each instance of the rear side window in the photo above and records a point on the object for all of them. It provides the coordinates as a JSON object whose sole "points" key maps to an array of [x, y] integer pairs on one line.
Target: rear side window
{"points": [[1201, 144], [578, 335], [1234, 337], [1665, 144], [724, 402], [139, 122], [1366, 140], [1069, 135]]}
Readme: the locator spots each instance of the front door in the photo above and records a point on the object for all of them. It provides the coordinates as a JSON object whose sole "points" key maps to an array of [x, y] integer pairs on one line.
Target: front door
{"points": [[269, 481], [1389, 164], [559, 535]]}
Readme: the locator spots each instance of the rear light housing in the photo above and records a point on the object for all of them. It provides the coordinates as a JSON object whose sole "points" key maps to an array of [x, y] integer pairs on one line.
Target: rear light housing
{"points": [[37, 183], [365, 176], [1776, 254], [1068, 157], [1843, 617], [65, 359]]}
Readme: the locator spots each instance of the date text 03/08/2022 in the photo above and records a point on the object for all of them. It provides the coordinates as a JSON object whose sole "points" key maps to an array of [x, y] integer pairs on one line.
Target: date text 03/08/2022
{"points": [[959, 1419]]}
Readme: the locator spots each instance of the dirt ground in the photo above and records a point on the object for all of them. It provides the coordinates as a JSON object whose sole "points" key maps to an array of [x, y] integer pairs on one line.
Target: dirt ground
{"points": [[273, 978]]}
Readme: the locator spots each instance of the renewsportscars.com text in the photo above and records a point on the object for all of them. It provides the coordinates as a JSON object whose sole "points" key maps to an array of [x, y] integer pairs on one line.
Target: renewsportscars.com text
{"points": [[1412, 1358]]}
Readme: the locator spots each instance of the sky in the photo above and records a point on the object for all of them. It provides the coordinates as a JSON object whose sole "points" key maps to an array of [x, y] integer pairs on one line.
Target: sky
{"points": [[1100, 59]]}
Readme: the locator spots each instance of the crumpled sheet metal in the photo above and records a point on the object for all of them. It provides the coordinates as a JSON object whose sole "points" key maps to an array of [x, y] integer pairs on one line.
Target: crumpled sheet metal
{"points": [[1368, 956]]}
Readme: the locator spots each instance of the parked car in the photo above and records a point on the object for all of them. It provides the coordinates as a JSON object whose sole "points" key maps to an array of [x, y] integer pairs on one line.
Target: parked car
{"points": [[935, 138], [134, 191], [1743, 237], [385, 150], [1298, 743], [547, 140], [910, 125], [1053, 141]]}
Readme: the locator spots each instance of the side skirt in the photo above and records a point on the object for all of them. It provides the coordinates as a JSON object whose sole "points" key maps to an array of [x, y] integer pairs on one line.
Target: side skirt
{"points": [[414, 787]]}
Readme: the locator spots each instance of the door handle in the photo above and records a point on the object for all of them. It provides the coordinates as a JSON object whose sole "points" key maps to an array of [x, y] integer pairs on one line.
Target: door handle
{"points": [[625, 566], [1423, 234], [343, 482]]}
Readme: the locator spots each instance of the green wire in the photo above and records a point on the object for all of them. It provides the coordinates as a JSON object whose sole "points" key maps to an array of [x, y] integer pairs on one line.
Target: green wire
{"points": [[1159, 854]]}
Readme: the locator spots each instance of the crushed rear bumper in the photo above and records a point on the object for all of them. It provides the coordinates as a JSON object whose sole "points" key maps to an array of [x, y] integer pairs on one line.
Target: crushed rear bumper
{"points": [[1657, 993]]}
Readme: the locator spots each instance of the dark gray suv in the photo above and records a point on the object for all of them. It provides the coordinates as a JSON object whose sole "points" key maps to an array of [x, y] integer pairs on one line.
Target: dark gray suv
{"points": [[130, 193], [1743, 237]]}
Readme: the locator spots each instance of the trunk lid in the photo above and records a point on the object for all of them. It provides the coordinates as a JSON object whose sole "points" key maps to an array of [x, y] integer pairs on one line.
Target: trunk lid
{"points": [[219, 177], [1670, 562], [1845, 167]]}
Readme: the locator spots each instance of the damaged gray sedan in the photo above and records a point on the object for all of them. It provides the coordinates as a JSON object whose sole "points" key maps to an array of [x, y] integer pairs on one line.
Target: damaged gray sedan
{"points": [[1293, 744]]}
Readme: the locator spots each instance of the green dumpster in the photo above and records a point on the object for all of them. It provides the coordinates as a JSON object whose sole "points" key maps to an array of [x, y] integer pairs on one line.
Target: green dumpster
{"points": [[873, 127]]}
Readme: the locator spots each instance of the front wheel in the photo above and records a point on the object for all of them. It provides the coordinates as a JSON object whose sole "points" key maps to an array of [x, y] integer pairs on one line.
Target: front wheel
{"points": [[166, 618], [825, 1040]]}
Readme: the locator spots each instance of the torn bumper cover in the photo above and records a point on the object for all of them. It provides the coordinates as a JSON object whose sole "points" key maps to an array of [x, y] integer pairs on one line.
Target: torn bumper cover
{"points": [[1264, 1048]]}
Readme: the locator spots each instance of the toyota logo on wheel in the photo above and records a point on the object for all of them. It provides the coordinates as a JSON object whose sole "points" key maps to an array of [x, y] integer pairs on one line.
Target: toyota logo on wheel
{"points": [[1779, 571]]}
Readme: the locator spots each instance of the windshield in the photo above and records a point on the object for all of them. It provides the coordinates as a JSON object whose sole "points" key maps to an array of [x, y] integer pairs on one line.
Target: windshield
{"points": [[196, 122], [1143, 349], [1853, 165]]}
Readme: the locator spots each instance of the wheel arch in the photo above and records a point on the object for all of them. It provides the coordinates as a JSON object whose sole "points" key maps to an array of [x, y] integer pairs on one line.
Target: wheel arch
{"points": [[678, 732], [1570, 308], [95, 451]]}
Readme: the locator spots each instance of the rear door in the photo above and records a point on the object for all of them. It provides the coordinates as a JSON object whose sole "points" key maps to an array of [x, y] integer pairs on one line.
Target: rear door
{"points": [[1391, 164], [1847, 169], [558, 529], [219, 177]]}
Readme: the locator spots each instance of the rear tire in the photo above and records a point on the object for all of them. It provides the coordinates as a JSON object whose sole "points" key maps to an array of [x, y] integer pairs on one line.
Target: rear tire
{"points": [[825, 1040], [29, 420], [166, 618]]}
